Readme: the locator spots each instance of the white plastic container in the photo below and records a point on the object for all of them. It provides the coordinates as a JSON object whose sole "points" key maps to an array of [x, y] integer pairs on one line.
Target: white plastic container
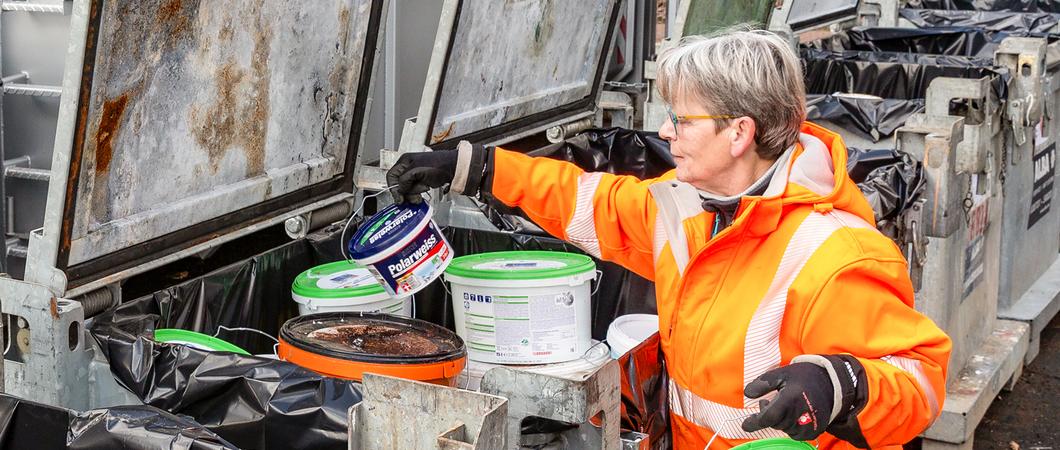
{"points": [[345, 286], [628, 331], [524, 307], [597, 355]]}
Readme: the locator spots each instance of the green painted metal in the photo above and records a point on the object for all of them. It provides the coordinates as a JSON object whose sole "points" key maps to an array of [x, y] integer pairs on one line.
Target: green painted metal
{"points": [[706, 16]]}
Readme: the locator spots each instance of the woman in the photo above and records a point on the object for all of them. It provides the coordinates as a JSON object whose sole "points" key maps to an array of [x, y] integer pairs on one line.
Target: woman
{"points": [[782, 310]]}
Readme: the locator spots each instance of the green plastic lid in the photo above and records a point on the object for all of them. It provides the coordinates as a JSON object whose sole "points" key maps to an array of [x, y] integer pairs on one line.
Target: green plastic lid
{"points": [[342, 279], [520, 265], [196, 340], [782, 443]]}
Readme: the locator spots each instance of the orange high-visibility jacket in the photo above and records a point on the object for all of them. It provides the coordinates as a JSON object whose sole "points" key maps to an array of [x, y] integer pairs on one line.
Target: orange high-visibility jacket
{"points": [[802, 270]]}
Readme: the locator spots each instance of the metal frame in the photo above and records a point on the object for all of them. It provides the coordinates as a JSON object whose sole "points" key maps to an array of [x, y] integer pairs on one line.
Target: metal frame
{"points": [[441, 417]]}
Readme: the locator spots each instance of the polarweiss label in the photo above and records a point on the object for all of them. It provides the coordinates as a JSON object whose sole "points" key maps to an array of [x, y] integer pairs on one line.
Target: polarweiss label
{"points": [[409, 260]]}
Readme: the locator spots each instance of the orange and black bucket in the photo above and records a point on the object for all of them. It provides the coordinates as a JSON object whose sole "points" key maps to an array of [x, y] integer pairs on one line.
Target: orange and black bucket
{"points": [[348, 344]]}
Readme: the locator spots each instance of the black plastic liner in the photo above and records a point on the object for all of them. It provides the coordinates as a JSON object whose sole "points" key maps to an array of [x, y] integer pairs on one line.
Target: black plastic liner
{"points": [[29, 425], [900, 76], [989, 20], [619, 151], [892, 181], [645, 392], [253, 402], [1048, 6], [952, 41], [871, 118]]}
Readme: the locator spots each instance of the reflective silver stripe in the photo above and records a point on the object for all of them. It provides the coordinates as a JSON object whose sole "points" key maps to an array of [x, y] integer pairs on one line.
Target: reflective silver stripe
{"points": [[658, 240], [676, 202], [581, 231], [916, 369], [762, 342], [726, 420]]}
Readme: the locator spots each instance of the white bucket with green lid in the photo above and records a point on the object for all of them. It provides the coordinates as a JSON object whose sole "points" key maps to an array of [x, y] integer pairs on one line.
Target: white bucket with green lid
{"points": [[523, 307], [345, 286]]}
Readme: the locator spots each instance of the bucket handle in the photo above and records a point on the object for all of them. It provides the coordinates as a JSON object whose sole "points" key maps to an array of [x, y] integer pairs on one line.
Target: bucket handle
{"points": [[356, 214], [599, 276]]}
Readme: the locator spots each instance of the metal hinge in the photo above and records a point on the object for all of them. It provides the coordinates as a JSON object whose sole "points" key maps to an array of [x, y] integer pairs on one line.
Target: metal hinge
{"points": [[624, 85]]}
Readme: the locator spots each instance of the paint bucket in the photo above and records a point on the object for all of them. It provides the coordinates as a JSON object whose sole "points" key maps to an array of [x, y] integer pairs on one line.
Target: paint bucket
{"points": [[196, 340], [523, 307], [349, 344], [774, 444], [344, 286], [597, 356], [402, 247], [628, 331]]}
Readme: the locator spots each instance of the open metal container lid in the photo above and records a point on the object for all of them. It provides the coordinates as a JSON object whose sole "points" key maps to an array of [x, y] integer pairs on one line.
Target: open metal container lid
{"points": [[704, 17], [187, 120], [502, 70]]}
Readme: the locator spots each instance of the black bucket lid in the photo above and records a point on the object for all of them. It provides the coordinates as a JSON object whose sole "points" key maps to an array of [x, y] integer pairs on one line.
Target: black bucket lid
{"points": [[372, 337]]}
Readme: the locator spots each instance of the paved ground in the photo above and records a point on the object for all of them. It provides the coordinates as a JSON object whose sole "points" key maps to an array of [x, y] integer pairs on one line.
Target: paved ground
{"points": [[1030, 414]]}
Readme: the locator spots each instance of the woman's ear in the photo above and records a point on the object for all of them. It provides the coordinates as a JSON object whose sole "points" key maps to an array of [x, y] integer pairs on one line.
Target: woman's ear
{"points": [[741, 136]]}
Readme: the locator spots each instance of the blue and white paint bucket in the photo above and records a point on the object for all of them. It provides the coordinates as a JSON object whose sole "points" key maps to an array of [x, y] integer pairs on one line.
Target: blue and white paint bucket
{"points": [[402, 247]]}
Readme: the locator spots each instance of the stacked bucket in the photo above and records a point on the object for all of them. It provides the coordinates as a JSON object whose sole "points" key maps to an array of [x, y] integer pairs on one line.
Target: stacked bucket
{"points": [[529, 309]]}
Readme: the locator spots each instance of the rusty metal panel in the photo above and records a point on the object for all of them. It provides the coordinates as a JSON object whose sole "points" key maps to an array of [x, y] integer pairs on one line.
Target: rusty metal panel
{"points": [[509, 60], [199, 108]]}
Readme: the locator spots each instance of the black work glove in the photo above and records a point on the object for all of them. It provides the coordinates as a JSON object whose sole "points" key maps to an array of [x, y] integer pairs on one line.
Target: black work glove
{"points": [[815, 394], [419, 172]]}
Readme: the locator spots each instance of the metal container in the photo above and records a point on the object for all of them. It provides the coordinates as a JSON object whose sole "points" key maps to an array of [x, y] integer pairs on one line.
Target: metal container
{"points": [[181, 126]]}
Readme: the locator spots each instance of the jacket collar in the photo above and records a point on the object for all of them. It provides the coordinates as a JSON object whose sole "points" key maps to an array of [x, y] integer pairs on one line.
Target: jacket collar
{"points": [[814, 172]]}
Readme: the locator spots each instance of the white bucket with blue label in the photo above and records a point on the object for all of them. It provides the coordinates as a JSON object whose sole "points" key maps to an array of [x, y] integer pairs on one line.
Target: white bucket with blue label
{"points": [[523, 307], [402, 247]]}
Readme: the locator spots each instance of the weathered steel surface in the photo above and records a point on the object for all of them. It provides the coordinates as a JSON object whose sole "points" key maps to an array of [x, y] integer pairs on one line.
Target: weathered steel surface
{"points": [[511, 59], [199, 108], [400, 413]]}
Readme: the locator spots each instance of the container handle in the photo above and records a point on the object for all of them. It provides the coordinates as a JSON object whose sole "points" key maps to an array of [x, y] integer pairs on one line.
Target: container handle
{"points": [[222, 327], [599, 276], [356, 214]]}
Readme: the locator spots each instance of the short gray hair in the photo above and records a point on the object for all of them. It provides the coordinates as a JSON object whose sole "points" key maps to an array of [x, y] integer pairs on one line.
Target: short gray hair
{"points": [[740, 72]]}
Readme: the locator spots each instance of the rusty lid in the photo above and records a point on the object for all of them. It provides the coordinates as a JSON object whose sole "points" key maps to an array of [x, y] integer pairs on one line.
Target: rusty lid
{"points": [[194, 120], [372, 337]]}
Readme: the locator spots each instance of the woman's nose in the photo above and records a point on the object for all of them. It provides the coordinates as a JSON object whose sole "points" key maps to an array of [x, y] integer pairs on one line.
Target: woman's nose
{"points": [[667, 131]]}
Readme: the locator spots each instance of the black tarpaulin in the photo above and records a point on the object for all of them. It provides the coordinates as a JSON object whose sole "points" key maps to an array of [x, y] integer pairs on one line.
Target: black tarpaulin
{"points": [[253, 402], [1048, 6], [901, 76], [990, 20], [29, 425], [871, 118]]}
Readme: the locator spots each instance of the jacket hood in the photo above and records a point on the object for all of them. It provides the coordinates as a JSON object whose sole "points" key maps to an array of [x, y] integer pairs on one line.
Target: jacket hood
{"points": [[815, 173]]}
